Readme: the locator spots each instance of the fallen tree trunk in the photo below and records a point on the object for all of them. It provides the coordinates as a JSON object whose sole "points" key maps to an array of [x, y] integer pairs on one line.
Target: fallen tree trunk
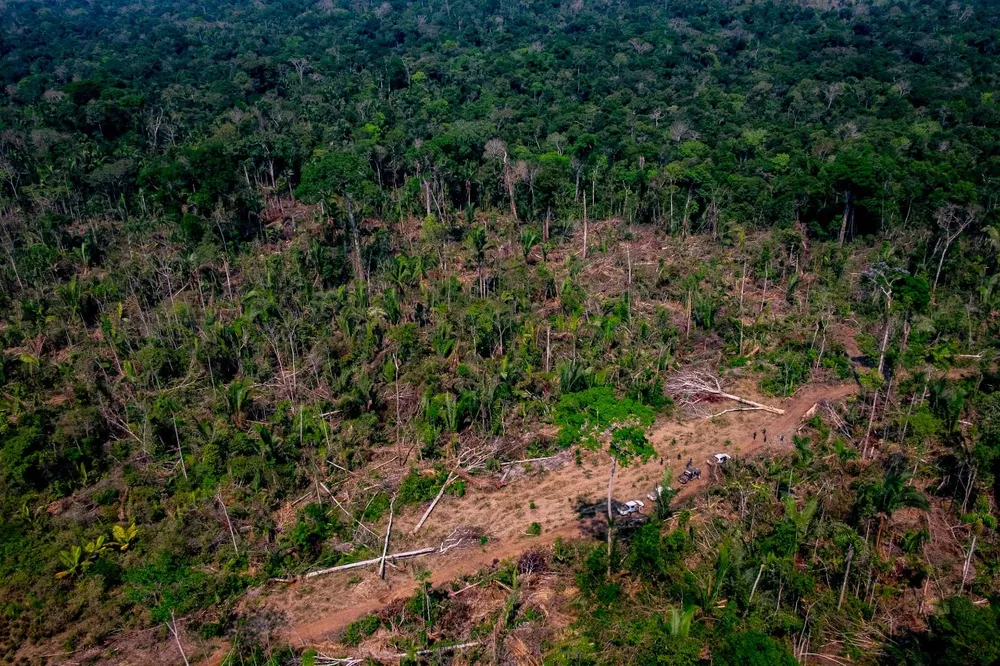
{"points": [[736, 409], [346, 512], [527, 460], [447, 648], [351, 661], [751, 403], [364, 563], [451, 477], [691, 385], [385, 547]]}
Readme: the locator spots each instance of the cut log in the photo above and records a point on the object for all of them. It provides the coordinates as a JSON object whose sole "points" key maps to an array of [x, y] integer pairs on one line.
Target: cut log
{"points": [[385, 547], [364, 563], [847, 574], [750, 403], [691, 385], [735, 409], [228, 522], [172, 626], [527, 460], [353, 661], [346, 512], [451, 477]]}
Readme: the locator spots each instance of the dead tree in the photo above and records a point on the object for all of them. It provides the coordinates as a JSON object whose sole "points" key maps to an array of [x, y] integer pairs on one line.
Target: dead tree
{"points": [[388, 531], [469, 460], [365, 563], [172, 626], [953, 222], [510, 173], [691, 387]]}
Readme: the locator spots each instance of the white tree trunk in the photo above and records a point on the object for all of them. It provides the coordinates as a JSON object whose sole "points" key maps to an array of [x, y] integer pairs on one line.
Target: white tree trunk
{"points": [[385, 546], [451, 477], [968, 562], [611, 483], [364, 563]]}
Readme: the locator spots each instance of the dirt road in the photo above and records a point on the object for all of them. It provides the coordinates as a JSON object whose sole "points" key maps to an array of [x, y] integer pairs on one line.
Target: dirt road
{"points": [[318, 610]]}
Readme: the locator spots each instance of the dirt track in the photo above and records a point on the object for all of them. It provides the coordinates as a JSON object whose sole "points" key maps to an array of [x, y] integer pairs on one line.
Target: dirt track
{"points": [[317, 611]]}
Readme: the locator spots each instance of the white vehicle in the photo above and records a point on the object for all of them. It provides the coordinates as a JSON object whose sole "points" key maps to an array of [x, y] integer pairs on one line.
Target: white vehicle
{"points": [[656, 494], [721, 458], [632, 506]]}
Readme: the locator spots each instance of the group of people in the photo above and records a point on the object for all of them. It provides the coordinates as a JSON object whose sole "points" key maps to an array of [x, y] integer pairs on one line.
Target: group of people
{"points": [[781, 437]]}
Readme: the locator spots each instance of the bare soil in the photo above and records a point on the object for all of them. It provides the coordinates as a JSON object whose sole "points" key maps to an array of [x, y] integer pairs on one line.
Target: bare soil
{"points": [[564, 498]]}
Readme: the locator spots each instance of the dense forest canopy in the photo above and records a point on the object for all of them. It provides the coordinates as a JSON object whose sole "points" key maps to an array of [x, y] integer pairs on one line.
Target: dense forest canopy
{"points": [[274, 274], [693, 113]]}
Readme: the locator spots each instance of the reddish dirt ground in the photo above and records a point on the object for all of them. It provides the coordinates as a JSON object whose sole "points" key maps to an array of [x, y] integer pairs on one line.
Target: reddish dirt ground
{"points": [[316, 611]]}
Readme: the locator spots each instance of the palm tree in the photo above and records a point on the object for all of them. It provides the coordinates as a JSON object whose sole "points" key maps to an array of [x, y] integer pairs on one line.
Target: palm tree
{"points": [[713, 586], [238, 396], [479, 242], [889, 495], [529, 239]]}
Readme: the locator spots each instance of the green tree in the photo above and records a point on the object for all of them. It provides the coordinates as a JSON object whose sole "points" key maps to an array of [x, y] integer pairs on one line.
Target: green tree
{"points": [[342, 177], [752, 648], [963, 635], [628, 444], [892, 493]]}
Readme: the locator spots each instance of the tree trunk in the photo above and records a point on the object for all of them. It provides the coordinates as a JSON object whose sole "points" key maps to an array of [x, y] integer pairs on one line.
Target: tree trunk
{"points": [[172, 626], [968, 562], [885, 340], [548, 348], [180, 451], [385, 546], [355, 242], [509, 182], [671, 209], [937, 274], [868, 431], [232, 533], [685, 222], [763, 295], [611, 482], [909, 411], [585, 227], [451, 477], [757, 580], [843, 224], [687, 330], [847, 573], [364, 563], [743, 282]]}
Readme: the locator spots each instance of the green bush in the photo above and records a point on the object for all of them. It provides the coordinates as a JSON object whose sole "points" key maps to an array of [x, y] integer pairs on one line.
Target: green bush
{"points": [[416, 487], [359, 630], [584, 416], [315, 524], [752, 648]]}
